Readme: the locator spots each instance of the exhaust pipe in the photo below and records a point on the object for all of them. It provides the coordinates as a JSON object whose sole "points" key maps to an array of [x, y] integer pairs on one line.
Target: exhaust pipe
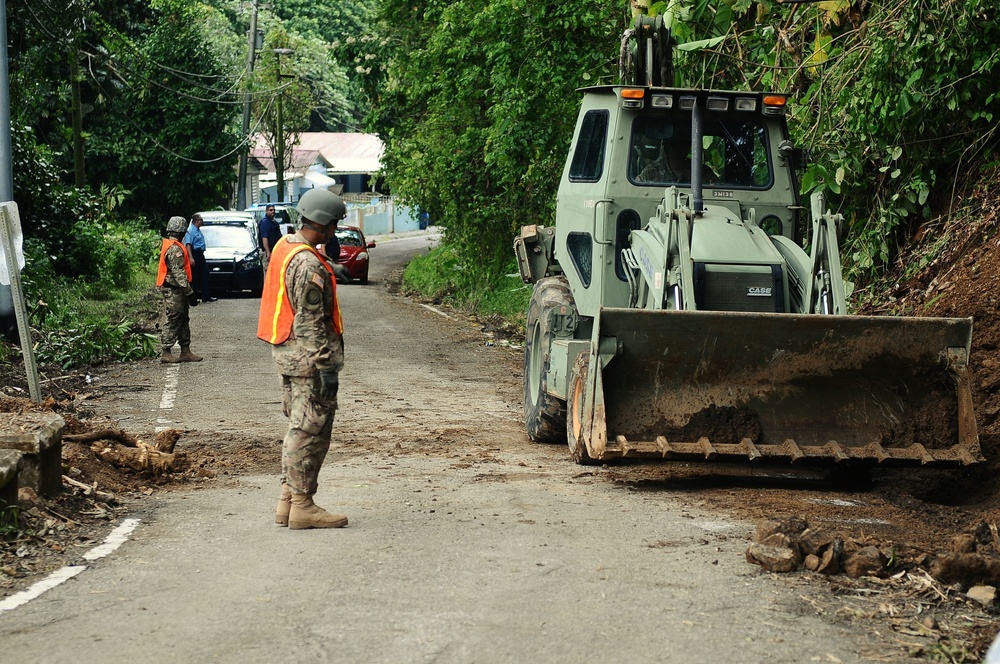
{"points": [[697, 197]]}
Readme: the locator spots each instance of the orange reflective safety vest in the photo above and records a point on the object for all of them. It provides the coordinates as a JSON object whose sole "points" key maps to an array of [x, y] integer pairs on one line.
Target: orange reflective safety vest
{"points": [[161, 275], [276, 313]]}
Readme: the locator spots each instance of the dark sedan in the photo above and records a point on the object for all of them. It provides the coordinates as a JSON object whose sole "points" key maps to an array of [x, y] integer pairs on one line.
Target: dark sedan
{"points": [[233, 255]]}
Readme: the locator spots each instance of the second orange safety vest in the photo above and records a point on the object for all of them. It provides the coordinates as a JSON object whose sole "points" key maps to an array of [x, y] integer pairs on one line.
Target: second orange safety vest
{"points": [[276, 313], [161, 274]]}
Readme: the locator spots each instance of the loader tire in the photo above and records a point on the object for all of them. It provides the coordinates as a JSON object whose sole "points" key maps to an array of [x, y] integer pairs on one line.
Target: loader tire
{"points": [[544, 414], [575, 412]]}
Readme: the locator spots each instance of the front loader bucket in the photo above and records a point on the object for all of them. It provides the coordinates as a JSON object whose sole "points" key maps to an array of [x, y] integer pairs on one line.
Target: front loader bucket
{"points": [[712, 385]]}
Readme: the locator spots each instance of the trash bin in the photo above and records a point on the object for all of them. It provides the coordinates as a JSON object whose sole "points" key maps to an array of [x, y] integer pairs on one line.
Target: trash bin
{"points": [[424, 219]]}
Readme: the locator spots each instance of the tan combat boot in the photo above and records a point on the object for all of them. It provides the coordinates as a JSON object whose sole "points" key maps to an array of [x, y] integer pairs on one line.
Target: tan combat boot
{"points": [[284, 506], [168, 357], [188, 356], [307, 514]]}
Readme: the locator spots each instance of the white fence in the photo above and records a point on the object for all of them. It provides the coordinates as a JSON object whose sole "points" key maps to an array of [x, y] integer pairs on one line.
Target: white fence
{"points": [[382, 218]]}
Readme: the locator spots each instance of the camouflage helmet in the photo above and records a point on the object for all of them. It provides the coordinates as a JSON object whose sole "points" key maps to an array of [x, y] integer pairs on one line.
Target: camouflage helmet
{"points": [[321, 206], [177, 225]]}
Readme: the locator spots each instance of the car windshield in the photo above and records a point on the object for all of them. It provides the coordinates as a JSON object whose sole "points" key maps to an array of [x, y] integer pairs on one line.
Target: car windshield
{"points": [[348, 237], [228, 237]]}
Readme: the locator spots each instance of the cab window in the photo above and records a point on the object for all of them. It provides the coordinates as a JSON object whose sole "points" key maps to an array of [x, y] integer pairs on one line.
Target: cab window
{"points": [[734, 152], [588, 156]]}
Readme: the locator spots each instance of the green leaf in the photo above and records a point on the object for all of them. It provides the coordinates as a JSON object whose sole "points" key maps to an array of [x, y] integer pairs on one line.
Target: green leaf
{"points": [[923, 194], [700, 44]]}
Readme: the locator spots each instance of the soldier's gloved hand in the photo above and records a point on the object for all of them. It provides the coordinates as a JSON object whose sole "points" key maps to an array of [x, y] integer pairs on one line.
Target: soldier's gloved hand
{"points": [[341, 273], [329, 383]]}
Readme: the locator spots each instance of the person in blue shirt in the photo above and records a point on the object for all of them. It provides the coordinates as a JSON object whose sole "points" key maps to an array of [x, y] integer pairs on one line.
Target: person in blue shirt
{"points": [[270, 233], [195, 241]]}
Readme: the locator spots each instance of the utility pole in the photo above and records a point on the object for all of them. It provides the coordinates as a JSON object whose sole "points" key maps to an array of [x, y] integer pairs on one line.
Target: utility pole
{"points": [[279, 163], [241, 188], [9, 252]]}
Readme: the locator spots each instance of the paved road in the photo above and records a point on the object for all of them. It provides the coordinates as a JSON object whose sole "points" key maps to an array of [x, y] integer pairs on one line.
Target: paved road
{"points": [[467, 543]]}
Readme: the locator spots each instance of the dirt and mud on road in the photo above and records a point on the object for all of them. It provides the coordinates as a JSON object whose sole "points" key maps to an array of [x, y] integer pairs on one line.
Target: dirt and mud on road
{"points": [[912, 516]]}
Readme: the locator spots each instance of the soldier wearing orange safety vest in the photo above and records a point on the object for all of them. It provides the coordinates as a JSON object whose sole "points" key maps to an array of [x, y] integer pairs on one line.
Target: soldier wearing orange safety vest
{"points": [[174, 281], [300, 318]]}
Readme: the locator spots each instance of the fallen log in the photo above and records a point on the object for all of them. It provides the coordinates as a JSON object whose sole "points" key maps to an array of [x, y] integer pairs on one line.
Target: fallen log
{"points": [[166, 440], [103, 434], [143, 458]]}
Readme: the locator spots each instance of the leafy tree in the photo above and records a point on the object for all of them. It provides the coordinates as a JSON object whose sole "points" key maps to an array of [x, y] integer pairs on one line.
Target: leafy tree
{"points": [[889, 98], [59, 62], [299, 83], [476, 106], [172, 139], [332, 22], [475, 102]]}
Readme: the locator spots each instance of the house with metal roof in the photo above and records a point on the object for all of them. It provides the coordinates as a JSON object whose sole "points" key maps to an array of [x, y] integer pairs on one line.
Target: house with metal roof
{"points": [[345, 163]]}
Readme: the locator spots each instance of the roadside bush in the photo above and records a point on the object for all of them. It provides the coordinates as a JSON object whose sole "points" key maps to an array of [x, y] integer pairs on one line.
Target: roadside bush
{"points": [[48, 208], [86, 322], [439, 276], [434, 274]]}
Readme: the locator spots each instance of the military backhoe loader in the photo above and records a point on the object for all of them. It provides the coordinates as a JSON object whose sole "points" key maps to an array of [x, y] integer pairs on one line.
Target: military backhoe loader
{"points": [[676, 314]]}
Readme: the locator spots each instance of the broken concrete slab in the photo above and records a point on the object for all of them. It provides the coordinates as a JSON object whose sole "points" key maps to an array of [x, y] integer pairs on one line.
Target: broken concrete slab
{"points": [[10, 463], [38, 437]]}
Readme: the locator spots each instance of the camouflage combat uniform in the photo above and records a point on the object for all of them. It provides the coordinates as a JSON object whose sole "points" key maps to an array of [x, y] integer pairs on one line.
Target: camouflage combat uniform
{"points": [[313, 345], [174, 319]]}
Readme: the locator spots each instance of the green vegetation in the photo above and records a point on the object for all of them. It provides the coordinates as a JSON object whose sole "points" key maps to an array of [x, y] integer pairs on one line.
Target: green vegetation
{"points": [[476, 104], [79, 322], [436, 276], [10, 516]]}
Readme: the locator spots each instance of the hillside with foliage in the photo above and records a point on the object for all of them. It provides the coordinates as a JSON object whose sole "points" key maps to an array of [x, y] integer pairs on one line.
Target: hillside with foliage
{"points": [[476, 103]]}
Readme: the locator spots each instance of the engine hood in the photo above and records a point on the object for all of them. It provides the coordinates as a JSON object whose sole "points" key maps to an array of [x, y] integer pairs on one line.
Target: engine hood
{"points": [[719, 236]]}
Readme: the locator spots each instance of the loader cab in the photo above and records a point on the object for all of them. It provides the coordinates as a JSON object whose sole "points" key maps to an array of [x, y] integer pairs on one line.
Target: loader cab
{"points": [[633, 143]]}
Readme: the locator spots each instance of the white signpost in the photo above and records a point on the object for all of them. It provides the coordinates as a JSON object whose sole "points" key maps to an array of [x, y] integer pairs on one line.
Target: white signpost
{"points": [[11, 262]]}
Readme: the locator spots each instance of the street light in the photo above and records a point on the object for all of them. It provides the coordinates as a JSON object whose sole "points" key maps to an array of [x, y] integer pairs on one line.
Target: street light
{"points": [[279, 165]]}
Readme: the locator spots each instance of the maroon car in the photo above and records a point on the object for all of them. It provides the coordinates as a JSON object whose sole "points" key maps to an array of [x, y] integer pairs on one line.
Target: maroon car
{"points": [[354, 252]]}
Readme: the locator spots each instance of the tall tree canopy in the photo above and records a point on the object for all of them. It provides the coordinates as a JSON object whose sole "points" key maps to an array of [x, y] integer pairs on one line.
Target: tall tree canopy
{"points": [[476, 101], [144, 98], [170, 134]]}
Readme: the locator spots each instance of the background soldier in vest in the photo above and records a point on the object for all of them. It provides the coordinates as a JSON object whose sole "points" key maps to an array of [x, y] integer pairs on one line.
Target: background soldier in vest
{"points": [[300, 317], [174, 281]]}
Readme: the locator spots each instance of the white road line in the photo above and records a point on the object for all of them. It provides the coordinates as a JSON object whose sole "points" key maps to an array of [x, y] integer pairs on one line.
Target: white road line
{"points": [[168, 398], [51, 581], [437, 311], [115, 539]]}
